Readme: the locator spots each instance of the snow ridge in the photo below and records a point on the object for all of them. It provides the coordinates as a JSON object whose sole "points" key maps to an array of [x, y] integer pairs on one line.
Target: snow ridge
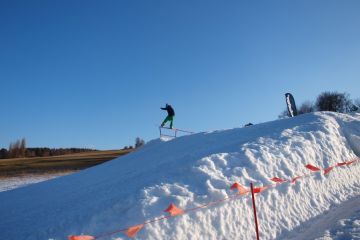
{"points": [[193, 170]]}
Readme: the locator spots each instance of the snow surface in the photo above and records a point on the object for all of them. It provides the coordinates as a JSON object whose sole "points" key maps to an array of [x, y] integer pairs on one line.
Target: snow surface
{"points": [[340, 223], [25, 180], [345, 229], [193, 170]]}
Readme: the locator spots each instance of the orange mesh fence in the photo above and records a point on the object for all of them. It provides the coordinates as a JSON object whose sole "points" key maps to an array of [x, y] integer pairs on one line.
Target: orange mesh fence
{"points": [[173, 210]]}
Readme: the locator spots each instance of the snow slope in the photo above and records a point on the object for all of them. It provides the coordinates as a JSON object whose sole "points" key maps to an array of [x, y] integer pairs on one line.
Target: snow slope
{"points": [[194, 170], [9, 183], [341, 223], [348, 228]]}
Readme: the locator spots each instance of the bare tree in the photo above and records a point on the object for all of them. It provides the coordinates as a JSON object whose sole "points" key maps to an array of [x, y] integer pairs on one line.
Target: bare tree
{"points": [[139, 142], [334, 102], [14, 149], [283, 114], [23, 147], [357, 104], [306, 107]]}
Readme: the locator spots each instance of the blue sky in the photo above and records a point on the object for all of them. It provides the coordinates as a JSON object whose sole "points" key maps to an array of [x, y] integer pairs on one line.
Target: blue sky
{"points": [[95, 73]]}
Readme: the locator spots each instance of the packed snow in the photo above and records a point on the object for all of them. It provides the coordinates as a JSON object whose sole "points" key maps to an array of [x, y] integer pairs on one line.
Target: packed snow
{"points": [[340, 222], [344, 229], [196, 169], [8, 183], [348, 228]]}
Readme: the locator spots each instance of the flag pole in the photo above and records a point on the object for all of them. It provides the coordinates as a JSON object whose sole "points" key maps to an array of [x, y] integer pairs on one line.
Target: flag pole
{"points": [[254, 207]]}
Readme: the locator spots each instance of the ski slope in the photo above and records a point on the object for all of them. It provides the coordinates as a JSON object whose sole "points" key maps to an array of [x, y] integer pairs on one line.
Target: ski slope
{"points": [[193, 170], [9, 183]]}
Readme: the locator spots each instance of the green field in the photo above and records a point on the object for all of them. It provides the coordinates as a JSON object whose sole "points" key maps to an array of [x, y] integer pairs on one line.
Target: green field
{"points": [[63, 163]]}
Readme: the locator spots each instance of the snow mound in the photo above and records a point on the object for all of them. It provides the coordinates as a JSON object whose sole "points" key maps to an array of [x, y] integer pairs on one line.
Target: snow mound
{"points": [[193, 170]]}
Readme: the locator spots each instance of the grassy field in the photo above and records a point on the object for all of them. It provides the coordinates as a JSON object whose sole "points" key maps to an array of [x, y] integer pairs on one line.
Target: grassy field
{"points": [[63, 163]]}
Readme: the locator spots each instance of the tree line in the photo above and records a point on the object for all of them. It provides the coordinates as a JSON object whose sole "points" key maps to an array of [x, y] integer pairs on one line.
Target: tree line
{"points": [[18, 149], [328, 101]]}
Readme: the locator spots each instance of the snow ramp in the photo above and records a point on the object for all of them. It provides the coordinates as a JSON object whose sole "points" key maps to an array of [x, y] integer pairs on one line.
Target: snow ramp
{"points": [[193, 170]]}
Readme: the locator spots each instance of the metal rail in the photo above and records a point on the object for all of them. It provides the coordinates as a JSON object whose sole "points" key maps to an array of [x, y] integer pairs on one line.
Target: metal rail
{"points": [[176, 130]]}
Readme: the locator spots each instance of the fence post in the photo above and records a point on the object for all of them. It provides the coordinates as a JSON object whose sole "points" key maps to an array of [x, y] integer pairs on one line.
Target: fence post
{"points": [[254, 207]]}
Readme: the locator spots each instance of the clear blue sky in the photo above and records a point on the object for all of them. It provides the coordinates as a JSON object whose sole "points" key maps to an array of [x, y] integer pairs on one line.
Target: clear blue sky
{"points": [[95, 73]]}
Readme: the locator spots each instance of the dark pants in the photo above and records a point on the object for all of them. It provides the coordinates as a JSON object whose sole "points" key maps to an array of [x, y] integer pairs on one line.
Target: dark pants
{"points": [[168, 118]]}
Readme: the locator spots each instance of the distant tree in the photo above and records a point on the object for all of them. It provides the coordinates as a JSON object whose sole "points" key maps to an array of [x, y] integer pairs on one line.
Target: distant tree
{"points": [[30, 153], [354, 108], [14, 149], [46, 152], [357, 104], [334, 102], [22, 149], [283, 114], [139, 142], [3, 153], [19, 149], [10, 152], [306, 107]]}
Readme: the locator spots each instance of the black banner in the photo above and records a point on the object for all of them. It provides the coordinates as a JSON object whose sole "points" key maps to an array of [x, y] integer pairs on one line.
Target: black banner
{"points": [[290, 102]]}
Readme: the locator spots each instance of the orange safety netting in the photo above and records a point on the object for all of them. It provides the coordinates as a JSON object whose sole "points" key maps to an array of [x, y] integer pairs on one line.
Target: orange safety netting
{"points": [[278, 180], [295, 179], [240, 188], [173, 210], [341, 164], [312, 168], [328, 170], [351, 162], [82, 237], [132, 231], [260, 189]]}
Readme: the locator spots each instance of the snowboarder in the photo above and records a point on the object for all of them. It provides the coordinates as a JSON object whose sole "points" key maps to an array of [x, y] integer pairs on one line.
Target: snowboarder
{"points": [[170, 116]]}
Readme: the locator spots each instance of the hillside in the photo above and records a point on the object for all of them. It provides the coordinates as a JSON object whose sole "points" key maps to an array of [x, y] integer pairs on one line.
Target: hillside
{"points": [[193, 170], [67, 162]]}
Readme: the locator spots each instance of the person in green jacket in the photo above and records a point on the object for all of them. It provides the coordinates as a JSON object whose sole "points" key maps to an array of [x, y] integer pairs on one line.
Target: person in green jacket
{"points": [[170, 116]]}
